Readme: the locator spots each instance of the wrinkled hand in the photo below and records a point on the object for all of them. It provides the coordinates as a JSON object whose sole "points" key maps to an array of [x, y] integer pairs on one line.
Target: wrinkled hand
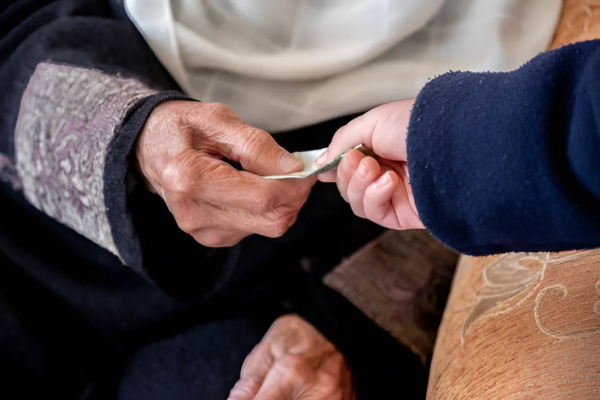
{"points": [[180, 153], [378, 190], [294, 362]]}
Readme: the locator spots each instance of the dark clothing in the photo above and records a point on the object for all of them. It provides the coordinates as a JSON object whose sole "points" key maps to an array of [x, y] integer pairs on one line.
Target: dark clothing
{"points": [[102, 296], [75, 328], [125, 305], [510, 161]]}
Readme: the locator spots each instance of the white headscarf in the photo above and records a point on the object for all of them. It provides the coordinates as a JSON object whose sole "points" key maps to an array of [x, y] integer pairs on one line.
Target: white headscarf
{"points": [[283, 64]]}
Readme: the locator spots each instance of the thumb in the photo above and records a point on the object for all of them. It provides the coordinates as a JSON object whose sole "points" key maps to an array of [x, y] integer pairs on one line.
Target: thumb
{"points": [[358, 131], [258, 152], [254, 371]]}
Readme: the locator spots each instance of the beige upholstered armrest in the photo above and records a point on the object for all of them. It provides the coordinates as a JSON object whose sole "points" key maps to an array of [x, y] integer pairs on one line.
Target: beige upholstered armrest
{"points": [[525, 326], [521, 326]]}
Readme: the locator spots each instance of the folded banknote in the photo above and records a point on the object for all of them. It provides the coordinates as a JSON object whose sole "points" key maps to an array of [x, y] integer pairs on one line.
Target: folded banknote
{"points": [[311, 169]]}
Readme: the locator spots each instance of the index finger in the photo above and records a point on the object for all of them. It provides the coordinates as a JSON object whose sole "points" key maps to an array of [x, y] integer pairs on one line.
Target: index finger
{"points": [[267, 208], [223, 184], [283, 191], [242, 201]]}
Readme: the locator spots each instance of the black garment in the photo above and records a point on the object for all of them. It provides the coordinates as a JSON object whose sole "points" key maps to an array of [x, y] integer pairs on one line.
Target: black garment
{"points": [[76, 323], [74, 327]]}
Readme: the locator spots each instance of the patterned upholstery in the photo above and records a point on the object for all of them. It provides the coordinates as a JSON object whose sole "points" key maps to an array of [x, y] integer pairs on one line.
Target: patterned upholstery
{"points": [[525, 326]]}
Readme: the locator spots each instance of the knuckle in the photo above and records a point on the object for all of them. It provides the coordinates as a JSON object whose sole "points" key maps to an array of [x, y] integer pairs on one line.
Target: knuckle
{"points": [[244, 389], [337, 357], [218, 115], [290, 323], [187, 225], [265, 202], [218, 108], [211, 240], [176, 177], [255, 141], [213, 116], [330, 381], [187, 171], [294, 366], [281, 225], [290, 320]]}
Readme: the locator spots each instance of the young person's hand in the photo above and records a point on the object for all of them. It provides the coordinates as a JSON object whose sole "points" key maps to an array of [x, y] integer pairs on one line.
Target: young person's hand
{"points": [[378, 190]]}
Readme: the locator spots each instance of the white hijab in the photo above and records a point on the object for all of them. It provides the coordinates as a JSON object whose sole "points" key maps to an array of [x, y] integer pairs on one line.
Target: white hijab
{"points": [[283, 64]]}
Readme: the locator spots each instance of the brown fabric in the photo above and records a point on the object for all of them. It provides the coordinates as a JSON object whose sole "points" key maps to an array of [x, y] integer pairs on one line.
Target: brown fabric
{"points": [[521, 326], [401, 281]]}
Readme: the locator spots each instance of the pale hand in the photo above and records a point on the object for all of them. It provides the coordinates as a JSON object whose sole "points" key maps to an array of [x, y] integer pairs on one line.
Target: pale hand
{"points": [[179, 153], [378, 190], [294, 362]]}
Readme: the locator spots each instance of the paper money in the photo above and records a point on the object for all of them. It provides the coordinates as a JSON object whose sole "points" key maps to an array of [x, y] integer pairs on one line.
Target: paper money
{"points": [[311, 169]]}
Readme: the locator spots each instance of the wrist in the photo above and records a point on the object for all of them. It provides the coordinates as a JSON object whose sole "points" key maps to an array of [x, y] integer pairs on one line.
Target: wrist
{"points": [[154, 142]]}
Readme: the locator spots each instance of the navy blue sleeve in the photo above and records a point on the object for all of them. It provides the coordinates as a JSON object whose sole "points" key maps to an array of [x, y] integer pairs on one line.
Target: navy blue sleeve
{"points": [[511, 161]]}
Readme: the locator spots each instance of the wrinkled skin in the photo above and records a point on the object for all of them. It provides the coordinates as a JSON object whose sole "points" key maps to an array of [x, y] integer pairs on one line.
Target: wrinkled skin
{"points": [[294, 362], [180, 152]]}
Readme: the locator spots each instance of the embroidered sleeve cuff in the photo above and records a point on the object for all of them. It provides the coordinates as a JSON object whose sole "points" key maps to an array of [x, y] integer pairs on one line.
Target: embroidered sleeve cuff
{"points": [[120, 176], [74, 133]]}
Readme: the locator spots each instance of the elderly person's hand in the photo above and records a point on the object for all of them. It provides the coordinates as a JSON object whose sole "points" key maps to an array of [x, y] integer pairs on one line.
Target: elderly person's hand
{"points": [[294, 362], [180, 154], [378, 190]]}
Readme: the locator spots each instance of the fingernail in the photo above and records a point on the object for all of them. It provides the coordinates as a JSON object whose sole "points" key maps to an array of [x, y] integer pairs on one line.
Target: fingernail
{"points": [[289, 163], [386, 179], [321, 159], [362, 171]]}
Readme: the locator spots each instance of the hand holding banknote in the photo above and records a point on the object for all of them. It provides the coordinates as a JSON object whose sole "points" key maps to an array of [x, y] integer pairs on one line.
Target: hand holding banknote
{"points": [[377, 189], [181, 153]]}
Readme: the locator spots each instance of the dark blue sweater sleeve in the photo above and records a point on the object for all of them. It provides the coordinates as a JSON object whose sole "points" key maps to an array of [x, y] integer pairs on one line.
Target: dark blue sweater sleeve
{"points": [[511, 161]]}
